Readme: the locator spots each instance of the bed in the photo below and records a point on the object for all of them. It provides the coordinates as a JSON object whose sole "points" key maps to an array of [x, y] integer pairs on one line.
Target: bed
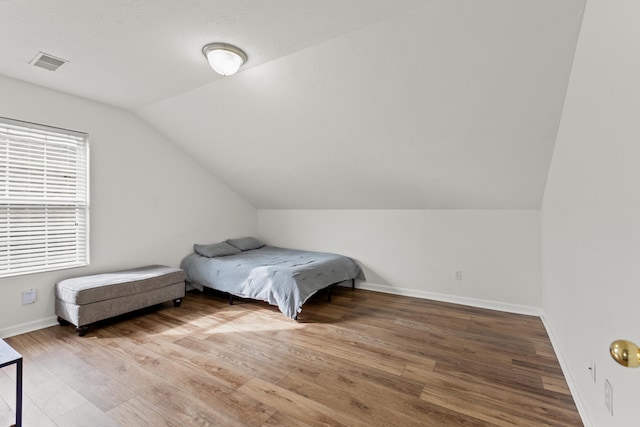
{"points": [[282, 277]]}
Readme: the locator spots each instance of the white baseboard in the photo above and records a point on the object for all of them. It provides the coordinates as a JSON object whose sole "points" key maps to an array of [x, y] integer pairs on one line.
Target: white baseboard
{"points": [[583, 410], [474, 302], [23, 328]]}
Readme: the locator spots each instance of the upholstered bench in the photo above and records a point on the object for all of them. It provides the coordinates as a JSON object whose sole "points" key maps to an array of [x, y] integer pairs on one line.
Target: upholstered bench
{"points": [[88, 299]]}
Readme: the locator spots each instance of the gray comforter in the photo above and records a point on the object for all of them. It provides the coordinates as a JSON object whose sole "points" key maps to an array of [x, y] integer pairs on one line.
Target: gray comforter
{"points": [[282, 277]]}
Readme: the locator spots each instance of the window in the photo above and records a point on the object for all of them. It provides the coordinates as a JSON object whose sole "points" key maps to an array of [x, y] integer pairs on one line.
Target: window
{"points": [[44, 198]]}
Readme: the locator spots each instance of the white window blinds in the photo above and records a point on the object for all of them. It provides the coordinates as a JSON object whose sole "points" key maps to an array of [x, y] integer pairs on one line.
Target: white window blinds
{"points": [[44, 198]]}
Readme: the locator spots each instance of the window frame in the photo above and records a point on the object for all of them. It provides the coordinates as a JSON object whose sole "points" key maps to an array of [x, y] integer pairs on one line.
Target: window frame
{"points": [[44, 198]]}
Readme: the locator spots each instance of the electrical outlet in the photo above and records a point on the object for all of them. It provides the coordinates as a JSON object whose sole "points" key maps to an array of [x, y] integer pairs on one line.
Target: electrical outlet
{"points": [[458, 274], [608, 397], [592, 370], [29, 296]]}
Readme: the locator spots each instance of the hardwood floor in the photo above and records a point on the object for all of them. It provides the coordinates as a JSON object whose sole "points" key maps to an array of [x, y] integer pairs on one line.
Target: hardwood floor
{"points": [[364, 359]]}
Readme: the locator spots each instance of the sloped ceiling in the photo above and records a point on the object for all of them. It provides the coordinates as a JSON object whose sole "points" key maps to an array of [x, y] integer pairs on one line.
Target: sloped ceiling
{"points": [[359, 104]]}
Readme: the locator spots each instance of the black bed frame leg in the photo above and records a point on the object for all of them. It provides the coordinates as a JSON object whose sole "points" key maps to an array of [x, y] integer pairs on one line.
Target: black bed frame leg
{"points": [[353, 284], [82, 330]]}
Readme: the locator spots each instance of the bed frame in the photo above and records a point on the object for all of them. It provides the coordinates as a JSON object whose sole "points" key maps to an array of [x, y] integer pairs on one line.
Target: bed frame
{"points": [[328, 289]]}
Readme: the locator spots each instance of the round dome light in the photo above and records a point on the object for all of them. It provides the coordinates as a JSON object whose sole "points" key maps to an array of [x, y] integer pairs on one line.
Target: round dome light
{"points": [[225, 59]]}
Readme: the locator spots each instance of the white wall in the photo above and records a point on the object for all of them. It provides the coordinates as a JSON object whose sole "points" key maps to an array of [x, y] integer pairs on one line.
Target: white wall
{"points": [[149, 201], [591, 213], [416, 252]]}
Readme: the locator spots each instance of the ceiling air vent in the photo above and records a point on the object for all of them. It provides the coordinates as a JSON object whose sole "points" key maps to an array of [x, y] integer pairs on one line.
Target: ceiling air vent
{"points": [[48, 62]]}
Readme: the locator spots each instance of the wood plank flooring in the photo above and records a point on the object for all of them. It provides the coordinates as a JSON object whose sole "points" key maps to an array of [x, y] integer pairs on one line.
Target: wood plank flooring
{"points": [[364, 359]]}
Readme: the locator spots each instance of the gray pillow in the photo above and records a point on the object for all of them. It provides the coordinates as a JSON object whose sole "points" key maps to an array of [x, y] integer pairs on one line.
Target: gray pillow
{"points": [[215, 250], [245, 243]]}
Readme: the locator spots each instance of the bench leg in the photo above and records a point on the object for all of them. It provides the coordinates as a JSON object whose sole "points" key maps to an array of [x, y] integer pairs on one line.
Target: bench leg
{"points": [[62, 322], [177, 302], [82, 330]]}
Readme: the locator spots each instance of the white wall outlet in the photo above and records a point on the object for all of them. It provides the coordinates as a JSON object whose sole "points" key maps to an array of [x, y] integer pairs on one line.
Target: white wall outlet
{"points": [[592, 370], [29, 296], [608, 397], [458, 274]]}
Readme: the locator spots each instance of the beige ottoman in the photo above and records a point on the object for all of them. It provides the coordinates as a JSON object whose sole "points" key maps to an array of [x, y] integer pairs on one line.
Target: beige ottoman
{"points": [[88, 299]]}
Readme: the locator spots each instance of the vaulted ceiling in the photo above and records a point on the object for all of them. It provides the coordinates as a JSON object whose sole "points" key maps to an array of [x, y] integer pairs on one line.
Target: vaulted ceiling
{"points": [[342, 104]]}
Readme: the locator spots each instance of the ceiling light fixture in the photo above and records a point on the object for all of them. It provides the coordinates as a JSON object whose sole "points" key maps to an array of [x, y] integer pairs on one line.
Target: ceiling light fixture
{"points": [[225, 59]]}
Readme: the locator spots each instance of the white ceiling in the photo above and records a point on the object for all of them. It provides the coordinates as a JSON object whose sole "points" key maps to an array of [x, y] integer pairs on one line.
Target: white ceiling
{"points": [[343, 104], [130, 53]]}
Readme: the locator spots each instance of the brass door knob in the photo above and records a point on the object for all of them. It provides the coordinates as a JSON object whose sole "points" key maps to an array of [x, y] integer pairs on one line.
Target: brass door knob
{"points": [[625, 353]]}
